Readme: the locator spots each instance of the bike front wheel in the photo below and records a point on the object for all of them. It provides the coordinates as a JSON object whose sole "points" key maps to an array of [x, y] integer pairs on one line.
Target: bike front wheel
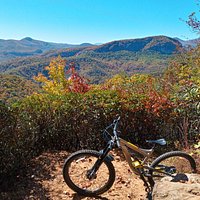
{"points": [[75, 173], [171, 164]]}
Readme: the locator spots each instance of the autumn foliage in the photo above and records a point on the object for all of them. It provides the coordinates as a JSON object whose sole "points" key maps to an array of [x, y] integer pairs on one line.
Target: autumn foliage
{"points": [[57, 83], [70, 114]]}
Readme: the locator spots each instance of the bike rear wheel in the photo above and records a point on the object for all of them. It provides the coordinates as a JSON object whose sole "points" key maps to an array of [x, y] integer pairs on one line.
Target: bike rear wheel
{"points": [[75, 173], [173, 163]]}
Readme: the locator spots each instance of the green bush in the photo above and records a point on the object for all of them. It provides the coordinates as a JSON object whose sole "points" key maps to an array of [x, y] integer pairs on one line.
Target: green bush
{"points": [[72, 121], [13, 151]]}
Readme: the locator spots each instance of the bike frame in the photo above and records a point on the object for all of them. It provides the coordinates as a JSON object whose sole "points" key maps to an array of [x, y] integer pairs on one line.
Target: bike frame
{"points": [[145, 153]]}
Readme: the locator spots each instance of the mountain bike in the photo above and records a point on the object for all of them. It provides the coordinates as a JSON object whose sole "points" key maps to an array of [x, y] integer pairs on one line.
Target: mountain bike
{"points": [[91, 173]]}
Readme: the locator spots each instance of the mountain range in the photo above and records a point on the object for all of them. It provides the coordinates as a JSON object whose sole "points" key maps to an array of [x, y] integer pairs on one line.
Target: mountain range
{"points": [[25, 47], [29, 47], [28, 57]]}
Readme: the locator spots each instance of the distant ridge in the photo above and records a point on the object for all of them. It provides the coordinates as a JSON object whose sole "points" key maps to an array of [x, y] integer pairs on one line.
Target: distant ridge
{"points": [[159, 44], [189, 43], [28, 46]]}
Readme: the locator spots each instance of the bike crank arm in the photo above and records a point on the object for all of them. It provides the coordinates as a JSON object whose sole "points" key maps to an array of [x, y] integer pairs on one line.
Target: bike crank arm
{"points": [[157, 170]]}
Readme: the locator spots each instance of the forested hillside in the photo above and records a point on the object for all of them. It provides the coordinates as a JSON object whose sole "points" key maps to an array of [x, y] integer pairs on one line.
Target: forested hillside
{"points": [[95, 66], [13, 88], [147, 55]]}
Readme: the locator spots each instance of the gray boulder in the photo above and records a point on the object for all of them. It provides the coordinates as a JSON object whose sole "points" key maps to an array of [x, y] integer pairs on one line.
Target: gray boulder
{"points": [[182, 187]]}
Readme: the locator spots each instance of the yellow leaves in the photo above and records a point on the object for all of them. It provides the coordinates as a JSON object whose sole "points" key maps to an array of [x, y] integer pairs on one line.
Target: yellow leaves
{"points": [[56, 70], [40, 78], [115, 83], [57, 82], [141, 78]]}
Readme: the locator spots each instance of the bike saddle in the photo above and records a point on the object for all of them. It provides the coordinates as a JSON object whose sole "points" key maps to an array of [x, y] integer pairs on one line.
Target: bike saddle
{"points": [[159, 141]]}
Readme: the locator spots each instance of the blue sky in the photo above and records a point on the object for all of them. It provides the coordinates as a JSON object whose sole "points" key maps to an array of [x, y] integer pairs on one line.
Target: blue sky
{"points": [[78, 21]]}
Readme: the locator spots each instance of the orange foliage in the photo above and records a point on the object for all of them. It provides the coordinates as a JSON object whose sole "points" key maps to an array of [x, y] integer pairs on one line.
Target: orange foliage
{"points": [[78, 83]]}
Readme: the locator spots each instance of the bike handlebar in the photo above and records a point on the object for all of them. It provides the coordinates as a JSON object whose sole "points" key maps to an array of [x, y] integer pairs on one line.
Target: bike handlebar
{"points": [[114, 127]]}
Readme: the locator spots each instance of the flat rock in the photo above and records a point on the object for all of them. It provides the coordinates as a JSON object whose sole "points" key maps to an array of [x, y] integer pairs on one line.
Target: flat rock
{"points": [[182, 187]]}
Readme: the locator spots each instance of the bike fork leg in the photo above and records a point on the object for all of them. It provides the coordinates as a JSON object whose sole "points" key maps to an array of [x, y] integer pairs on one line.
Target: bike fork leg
{"points": [[91, 173]]}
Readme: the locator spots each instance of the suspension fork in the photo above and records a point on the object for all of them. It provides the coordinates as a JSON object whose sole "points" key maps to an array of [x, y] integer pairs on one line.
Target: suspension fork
{"points": [[103, 155]]}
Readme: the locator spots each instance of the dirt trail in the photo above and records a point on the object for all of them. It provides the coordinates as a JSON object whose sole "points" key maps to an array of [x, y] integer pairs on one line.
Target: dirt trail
{"points": [[43, 180]]}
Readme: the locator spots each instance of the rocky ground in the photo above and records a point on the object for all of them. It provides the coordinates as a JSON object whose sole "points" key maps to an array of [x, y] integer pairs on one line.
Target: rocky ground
{"points": [[183, 186], [42, 179]]}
